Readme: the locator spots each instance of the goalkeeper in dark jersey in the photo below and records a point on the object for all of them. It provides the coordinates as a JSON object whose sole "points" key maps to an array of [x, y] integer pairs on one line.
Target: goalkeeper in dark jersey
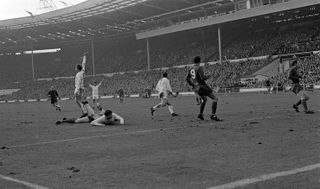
{"points": [[54, 96], [203, 89], [297, 88]]}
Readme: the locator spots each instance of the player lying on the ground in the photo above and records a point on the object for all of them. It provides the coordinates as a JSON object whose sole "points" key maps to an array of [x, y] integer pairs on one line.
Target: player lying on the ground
{"points": [[108, 117], [54, 96]]}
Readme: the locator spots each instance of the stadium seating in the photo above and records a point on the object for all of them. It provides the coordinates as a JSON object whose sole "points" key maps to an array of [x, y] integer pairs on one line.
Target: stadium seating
{"points": [[128, 55]]}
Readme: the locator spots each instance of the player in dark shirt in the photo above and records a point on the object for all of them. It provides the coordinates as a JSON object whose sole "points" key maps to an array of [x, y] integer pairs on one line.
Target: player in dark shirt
{"points": [[121, 95], [199, 82], [54, 96], [297, 88], [193, 84]]}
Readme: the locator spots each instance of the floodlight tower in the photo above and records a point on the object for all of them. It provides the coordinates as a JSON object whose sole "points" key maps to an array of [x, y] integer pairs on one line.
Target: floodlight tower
{"points": [[46, 6]]}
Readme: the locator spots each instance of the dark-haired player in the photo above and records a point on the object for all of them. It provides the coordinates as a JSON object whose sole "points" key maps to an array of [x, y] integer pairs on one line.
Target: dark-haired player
{"points": [[54, 96], [109, 118], [194, 85], [121, 95], [79, 83], [164, 89], [204, 91], [95, 93], [297, 88], [89, 116]]}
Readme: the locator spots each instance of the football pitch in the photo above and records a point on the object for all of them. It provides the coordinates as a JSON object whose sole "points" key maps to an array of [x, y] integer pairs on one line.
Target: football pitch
{"points": [[261, 144]]}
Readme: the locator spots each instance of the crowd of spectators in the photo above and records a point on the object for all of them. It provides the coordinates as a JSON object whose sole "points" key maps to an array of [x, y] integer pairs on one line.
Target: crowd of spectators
{"points": [[224, 75], [129, 55]]}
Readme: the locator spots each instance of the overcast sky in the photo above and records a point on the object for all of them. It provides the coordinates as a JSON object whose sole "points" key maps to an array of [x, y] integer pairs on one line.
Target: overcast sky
{"points": [[17, 8]]}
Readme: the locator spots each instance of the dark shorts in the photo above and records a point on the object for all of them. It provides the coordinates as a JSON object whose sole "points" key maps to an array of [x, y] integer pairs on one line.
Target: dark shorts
{"points": [[53, 101], [90, 118], [297, 88], [204, 90], [196, 89]]}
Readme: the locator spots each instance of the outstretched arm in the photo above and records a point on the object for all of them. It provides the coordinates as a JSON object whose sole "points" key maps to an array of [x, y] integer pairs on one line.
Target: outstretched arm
{"points": [[84, 61], [117, 117], [100, 82]]}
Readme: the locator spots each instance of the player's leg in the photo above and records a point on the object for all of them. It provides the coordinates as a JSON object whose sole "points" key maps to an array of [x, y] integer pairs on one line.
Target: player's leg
{"points": [[89, 110], [296, 89], [57, 106], [66, 120], [121, 98], [198, 97], [98, 102], [163, 102], [304, 98], [214, 107], [81, 106], [83, 120], [202, 106], [78, 98], [170, 107], [94, 102]]}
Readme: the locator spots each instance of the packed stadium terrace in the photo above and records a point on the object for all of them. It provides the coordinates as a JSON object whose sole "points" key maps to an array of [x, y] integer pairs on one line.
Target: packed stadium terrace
{"points": [[129, 55]]}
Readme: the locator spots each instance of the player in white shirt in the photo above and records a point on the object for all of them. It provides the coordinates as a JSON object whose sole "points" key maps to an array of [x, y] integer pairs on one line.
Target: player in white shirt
{"points": [[79, 83], [95, 94], [109, 118], [164, 90]]}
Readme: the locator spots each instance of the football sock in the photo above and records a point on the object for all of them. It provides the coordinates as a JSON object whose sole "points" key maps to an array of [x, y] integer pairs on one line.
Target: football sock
{"points": [[157, 106], [170, 108], [71, 120], [214, 107], [304, 104], [202, 105], [298, 103]]}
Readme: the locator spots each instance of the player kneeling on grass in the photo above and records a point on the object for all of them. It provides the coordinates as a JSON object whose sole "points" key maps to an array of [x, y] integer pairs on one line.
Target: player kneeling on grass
{"points": [[164, 89], [93, 118], [54, 96]]}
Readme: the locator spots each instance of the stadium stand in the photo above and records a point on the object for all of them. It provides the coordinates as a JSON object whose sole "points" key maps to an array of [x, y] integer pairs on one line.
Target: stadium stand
{"points": [[118, 54]]}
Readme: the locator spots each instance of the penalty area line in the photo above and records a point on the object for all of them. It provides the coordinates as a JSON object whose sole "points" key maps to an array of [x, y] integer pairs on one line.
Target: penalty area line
{"points": [[30, 185], [244, 182]]}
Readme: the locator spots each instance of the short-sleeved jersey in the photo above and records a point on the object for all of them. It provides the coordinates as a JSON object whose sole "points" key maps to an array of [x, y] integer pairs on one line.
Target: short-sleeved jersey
{"points": [[294, 75], [191, 78], [197, 75], [53, 94]]}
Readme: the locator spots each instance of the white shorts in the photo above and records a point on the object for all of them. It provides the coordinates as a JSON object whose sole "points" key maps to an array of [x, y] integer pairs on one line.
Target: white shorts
{"points": [[95, 97], [163, 95]]}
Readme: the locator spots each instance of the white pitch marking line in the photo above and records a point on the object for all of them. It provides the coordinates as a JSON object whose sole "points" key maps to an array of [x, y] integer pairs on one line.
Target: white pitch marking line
{"points": [[30, 185], [91, 137], [116, 134], [244, 182]]}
